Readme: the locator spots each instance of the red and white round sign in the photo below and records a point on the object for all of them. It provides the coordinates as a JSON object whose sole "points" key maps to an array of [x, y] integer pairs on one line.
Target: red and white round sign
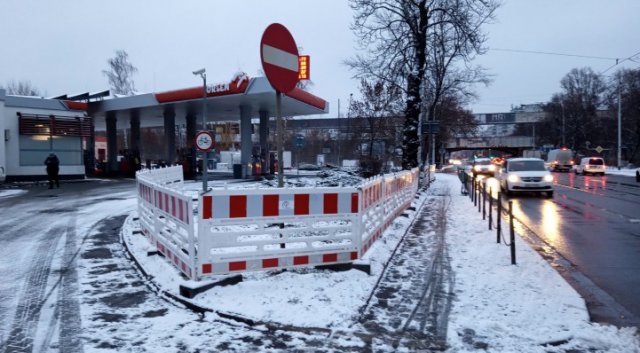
{"points": [[279, 55], [204, 141]]}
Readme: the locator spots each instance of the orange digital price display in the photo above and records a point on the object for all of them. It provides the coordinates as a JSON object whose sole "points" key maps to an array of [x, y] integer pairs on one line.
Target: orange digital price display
{"points": [[303, 67]]}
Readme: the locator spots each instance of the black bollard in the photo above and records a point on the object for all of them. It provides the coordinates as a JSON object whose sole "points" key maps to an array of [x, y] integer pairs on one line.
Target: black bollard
{"points": [[499, 218], [512, 234], [490, 207]]}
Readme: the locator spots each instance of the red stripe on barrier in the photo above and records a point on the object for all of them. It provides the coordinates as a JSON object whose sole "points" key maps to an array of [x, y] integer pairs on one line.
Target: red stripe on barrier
{"points": [[207, 207], [354, 255], [330, 203], [206, 268], [300, 260], [354, 202], [166, 202], [301, 204], [270, 205], [159, 198], [330, 258], [237, 206], [237, 266], [268, 263], [173, 206], [181, 210]]}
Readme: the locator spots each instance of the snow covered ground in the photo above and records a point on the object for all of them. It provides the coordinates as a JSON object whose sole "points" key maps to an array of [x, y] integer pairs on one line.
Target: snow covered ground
{"points": [[496, 307], [623, 171]]}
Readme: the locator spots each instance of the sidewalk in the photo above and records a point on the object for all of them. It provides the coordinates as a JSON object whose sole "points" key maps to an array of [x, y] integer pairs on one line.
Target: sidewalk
{"points": [[448, 285]]}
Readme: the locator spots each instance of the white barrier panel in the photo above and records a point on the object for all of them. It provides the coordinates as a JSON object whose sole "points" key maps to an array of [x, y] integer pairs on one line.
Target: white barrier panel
{"points": [[240, 230], [166, 216]]}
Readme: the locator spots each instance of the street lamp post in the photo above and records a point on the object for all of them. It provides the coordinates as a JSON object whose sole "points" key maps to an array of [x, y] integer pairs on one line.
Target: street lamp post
{"points": [[563, 127], [202, 73]]}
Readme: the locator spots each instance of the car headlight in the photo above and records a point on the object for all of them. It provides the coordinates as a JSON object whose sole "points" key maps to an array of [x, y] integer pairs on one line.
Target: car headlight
{"points": [[513, 178], [548, 178], [492, 168], [477, 168]]}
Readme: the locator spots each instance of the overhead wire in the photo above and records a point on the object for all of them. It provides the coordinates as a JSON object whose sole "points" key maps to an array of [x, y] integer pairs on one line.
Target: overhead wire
{"points": [[618, 62], [552, 53]]}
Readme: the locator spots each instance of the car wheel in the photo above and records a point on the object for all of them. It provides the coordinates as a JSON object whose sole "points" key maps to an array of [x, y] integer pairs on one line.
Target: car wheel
{"points": [[638, 177]]}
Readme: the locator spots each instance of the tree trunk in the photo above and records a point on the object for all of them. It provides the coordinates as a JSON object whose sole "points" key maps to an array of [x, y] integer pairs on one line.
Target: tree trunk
{"points": [[410, 141], [411, 119]]}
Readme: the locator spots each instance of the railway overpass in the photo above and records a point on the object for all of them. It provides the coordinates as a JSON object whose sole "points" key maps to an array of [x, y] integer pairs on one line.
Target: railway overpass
{"points": [[513, 145]]}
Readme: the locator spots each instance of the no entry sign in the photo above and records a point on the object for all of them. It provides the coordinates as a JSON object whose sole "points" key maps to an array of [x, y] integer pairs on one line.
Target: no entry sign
{"points": [[279, 55]]}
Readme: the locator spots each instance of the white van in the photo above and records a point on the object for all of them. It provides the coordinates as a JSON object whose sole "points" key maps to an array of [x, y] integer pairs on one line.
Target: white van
{"points": [[560, 160], [590, 165]]}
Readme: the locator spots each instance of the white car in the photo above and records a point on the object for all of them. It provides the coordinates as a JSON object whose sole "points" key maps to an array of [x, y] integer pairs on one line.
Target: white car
{"points": [[483, 166], [526, 174], [590, 165]]}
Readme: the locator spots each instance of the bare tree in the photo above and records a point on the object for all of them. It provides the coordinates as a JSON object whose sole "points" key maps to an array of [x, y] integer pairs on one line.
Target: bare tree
{"points": [[395, 37], [120, 74], [380, 103], [583, 93], [22, 88]]}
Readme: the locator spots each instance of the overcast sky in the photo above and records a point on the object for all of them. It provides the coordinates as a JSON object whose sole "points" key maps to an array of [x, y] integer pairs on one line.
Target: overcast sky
{"points": [[62, 46]]}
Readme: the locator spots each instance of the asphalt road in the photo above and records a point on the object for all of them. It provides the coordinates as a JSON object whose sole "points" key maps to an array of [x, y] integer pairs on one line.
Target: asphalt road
{"points": [[41, 233], [591, 232]]}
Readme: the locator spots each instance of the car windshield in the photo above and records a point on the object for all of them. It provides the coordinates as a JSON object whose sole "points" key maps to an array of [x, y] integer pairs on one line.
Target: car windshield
{"points": [[596, 161], [516, 166], [483, 161]]}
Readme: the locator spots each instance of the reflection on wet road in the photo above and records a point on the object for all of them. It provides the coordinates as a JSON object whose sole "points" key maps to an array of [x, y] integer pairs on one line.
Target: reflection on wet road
{"points": [[594, 223]]}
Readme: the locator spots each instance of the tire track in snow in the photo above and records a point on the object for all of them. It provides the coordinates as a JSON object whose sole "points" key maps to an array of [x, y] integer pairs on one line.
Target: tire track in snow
{"points": [[68, 304], [415, 293], [23, 329]]}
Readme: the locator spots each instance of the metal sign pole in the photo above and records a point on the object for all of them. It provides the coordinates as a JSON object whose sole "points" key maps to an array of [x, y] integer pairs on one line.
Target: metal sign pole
{"points": [[205, 155], [280, 132]]}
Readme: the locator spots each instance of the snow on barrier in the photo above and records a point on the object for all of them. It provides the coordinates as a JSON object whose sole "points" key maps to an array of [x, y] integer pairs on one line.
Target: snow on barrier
{"points": [[238, 230]]}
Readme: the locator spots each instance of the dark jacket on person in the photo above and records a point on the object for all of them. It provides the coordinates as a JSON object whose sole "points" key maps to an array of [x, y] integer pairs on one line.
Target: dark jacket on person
{"points": [[53, 164]]}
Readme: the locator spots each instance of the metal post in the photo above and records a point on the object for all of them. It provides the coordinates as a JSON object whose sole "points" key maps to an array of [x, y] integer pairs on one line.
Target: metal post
{"points": [[280, 142], [474, 188], [479, 195], [512, 237], [564, 144], [490, 208], [499, 218], [205, 162], [619, 122], [484, 200], [205, 155]]}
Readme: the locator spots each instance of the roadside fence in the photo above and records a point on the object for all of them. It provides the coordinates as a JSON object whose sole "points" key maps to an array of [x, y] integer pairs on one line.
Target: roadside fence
{"points": [[486, 202], [227, 231]]}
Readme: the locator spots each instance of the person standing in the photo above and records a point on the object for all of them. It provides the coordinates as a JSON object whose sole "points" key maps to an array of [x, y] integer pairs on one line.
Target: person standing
{"points": [[53, 167]]}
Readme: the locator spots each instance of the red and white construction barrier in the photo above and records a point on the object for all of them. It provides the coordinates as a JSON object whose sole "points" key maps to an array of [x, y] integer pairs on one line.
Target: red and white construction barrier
{"points": [[166, 216], [264, 229]]}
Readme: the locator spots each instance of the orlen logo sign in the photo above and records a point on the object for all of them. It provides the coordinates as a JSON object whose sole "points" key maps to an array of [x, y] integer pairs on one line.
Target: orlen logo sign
{"points": [[234, 85]]}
